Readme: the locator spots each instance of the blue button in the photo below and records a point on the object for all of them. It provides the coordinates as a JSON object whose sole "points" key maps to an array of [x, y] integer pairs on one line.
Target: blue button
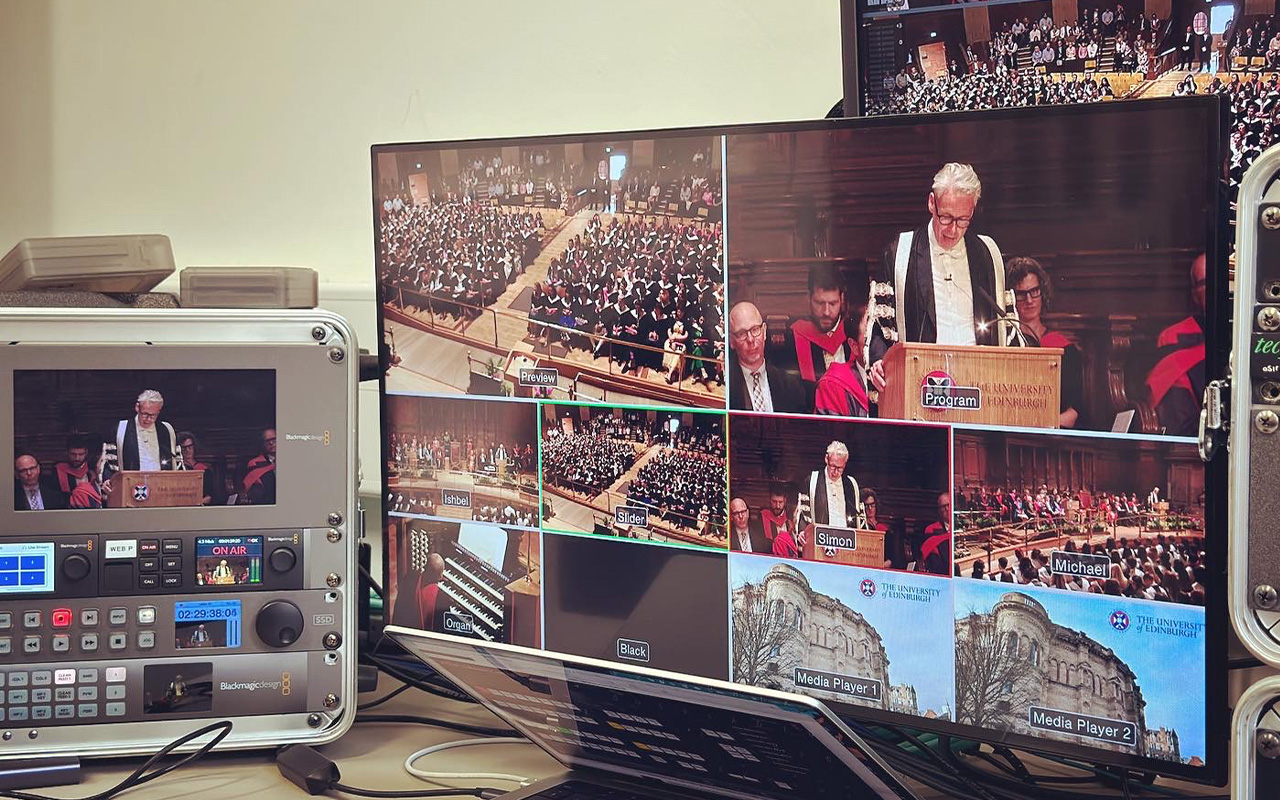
{"points": [[8, 563], [32, 578], [32, 562], [8, 578]]}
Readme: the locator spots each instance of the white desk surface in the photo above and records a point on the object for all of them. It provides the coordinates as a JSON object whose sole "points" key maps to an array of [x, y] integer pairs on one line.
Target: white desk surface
{"points": [[370, 756]]}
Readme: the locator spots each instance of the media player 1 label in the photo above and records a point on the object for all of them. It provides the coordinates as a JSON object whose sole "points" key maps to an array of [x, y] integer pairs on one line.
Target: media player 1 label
{"points": [[458, 623], [539, 376], [455, 498], [869, 688], [1100, 728], [633, 650], [632, 516], [1083, 564]]}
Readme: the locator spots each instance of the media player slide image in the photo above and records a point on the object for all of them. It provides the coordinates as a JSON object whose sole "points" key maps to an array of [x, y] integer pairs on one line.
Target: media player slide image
{"points": [[874, 494], [465, 578], [143, 438], [1119, 517], [844, 634], [660, 607], [589, 269], [634, 473], [456, 458], [881, 271], [1082, 668], [178, 688]]}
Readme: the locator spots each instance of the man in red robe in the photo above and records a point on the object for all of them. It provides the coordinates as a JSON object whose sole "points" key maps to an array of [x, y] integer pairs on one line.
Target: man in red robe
{"points": [[75, 470], [1176, 383], [819, 340], [774, 519]]}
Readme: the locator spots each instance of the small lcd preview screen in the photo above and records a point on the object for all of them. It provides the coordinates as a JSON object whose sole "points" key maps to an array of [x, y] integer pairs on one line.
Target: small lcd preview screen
{"points": [[898, 414], [138, 439]]}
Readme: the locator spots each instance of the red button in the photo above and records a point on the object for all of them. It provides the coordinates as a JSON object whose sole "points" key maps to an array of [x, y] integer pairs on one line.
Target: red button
{"points": [[61, 617]]}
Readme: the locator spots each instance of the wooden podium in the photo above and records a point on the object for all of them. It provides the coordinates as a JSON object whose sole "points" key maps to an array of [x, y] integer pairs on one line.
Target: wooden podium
{"points": [[868, 553], [1018, 386], [168, 489]]}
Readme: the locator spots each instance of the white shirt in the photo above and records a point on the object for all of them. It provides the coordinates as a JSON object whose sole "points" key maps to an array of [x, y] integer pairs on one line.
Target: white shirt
{"points": [[835, 502], [148, 449], [744, 541], [765, 402], [952, 292]]}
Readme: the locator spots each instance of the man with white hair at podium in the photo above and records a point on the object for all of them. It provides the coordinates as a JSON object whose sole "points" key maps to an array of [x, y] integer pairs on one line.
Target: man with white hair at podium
{"points": [[144, 442], [940, 282], [830, 497]]}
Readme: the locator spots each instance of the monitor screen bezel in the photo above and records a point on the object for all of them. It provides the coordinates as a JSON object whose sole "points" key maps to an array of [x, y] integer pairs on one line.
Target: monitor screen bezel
{"points": [[1215, 768]]}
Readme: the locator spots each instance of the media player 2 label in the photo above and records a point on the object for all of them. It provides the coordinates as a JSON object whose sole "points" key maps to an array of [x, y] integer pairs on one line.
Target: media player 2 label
{"points": [[1107, 730], [633, 650]]}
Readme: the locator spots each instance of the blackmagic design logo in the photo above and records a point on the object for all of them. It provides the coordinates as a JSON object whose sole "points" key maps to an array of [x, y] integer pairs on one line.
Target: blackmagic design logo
{"points": [[868, 587], [141, 493], [940, 392], [1119, 620]]}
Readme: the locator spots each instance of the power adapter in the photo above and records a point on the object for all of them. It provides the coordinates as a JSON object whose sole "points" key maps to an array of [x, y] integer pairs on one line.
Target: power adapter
{"points": [[307, 769]]}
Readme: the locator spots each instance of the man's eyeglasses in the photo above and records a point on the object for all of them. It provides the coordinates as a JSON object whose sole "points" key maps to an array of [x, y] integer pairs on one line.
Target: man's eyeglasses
{"points": [[1027, 294], [754, 332], [946, 220]]}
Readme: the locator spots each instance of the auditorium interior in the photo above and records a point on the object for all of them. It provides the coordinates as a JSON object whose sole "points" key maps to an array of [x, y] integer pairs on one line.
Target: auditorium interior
{"points": [[1120, 265], [596, 460], [666, 193]]}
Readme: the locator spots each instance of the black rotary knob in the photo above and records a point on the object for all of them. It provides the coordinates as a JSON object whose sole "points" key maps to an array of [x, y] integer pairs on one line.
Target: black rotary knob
{"points": [[75, 567], [282, 559], [279, 623]]}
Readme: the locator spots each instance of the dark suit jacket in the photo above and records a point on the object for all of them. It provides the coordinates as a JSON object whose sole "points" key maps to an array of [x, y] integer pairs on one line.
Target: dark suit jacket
{"points": [[788, 392], [921, 323], [759, 544], [52, 495]]}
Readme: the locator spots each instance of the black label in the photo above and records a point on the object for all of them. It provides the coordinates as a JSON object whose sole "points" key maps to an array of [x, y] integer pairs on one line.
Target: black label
{"points": [[633, 650]]}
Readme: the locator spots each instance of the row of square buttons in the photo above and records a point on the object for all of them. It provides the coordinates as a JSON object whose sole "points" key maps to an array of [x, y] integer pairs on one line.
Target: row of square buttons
{"points": [[61, 642], [153, 547], [168, 564], [62, 694], [62, 677], [83, 711], [62, 617]]}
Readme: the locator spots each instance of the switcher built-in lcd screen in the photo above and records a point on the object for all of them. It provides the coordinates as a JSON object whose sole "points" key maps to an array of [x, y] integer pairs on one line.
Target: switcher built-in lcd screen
{"points": [[897, 413], [120, 438]]}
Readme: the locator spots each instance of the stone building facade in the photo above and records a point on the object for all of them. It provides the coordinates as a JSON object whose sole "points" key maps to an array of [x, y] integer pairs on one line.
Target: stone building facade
{"points": [[833, 638], [1068, 672]]}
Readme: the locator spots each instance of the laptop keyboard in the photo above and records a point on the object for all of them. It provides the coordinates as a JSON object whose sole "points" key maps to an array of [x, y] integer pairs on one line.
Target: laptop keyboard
{"points": [[576, 790]]}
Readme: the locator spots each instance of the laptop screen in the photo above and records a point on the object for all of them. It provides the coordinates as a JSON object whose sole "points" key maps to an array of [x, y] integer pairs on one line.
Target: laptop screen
{"points": [[642, 723]]}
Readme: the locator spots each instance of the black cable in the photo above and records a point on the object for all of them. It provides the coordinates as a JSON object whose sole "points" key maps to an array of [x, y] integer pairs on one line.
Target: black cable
{"points": [[373, 583], [409, 719], [358, 792], [392, 694], [140, 775], [403, 675]]}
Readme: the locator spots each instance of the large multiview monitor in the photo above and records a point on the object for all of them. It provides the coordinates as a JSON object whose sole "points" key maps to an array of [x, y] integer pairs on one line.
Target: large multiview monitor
{"points": [[924, 56], [898, 413]]}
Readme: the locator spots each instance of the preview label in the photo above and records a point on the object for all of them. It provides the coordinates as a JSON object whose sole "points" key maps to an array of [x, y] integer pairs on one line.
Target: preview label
{"points": [[539, 376]]}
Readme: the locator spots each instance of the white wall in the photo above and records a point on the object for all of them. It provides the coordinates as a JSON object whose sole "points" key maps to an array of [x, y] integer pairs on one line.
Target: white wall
{"points": [[241, 128]]}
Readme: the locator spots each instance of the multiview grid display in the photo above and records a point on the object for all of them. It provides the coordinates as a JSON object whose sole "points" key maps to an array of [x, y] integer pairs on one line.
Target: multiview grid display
{"points": [[895, 413]]}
